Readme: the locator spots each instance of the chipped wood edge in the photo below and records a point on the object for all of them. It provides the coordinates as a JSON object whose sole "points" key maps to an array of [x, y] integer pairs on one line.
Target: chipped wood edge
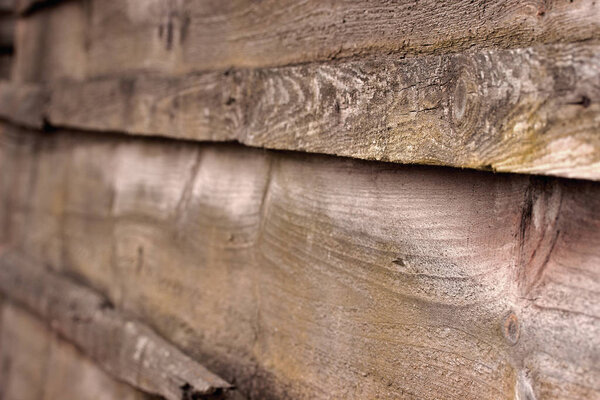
{"points": [[127, 349]]}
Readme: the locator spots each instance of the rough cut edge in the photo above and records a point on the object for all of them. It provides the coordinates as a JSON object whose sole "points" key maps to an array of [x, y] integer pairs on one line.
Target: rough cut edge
{"points": [[127, 349]]}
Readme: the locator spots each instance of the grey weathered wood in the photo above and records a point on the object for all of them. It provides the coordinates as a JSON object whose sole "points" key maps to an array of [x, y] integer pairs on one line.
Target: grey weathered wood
{"points": [[531, 110], [311, 277], [190, 35], [127, 349], [38, 365]]}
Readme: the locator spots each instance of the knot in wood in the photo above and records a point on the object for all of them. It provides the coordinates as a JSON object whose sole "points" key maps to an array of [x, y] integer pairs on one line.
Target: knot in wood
{"points": [[511, 328]]}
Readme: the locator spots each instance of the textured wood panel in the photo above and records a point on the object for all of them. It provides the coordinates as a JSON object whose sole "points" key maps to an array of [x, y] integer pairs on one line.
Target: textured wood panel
{"points": [[531, 110], [313, 277], [127, 349], [192, 35], [51, 44], [38, 365], [23, 104]]}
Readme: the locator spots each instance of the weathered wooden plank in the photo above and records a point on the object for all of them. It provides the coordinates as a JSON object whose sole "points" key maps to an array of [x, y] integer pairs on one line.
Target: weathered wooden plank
{"points": [[51, 45], [531, 110], [127, 349], [196, 35], [23, 104], [334, 278], [38, 365]]}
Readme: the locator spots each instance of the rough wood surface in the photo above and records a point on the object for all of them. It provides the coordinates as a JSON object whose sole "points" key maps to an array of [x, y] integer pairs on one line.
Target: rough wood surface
{"points": [[533, 110], [128, 350], [23, 104], [192, 35], [51, 44], [38, 365], [311, 277]]}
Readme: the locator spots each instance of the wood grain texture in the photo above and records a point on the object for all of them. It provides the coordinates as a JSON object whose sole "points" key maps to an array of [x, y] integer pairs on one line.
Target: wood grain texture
{"points": [[311, 277], [174, 37], [128, 350], [38, 365], [533, 110]]}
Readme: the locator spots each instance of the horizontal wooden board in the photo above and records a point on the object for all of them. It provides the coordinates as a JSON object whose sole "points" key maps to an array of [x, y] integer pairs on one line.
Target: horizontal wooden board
{"points": [[311, 277], [125, 348], [38, 365], [23, 104], [196, 35], [533, 110]]}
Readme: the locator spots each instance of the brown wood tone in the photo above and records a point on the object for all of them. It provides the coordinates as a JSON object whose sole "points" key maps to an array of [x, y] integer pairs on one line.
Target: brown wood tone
{"points": [[531, 110], [51, 44], [127, 349], [181, 36], [38, 365], [309, 277], [23, 104], [5, 66], [7, 31], [25, 7], [7, 6]]}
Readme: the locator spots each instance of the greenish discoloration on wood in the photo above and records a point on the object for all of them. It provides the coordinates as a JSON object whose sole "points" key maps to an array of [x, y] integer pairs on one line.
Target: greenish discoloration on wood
{"points": [[532, 110]]}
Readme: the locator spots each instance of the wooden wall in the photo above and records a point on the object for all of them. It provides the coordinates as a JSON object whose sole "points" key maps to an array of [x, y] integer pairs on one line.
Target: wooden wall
{"points": [[301, 200]]}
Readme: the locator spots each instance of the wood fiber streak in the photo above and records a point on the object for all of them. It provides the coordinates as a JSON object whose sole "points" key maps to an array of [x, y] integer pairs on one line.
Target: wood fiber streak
{"points": [[311, 277], [128, 350], [38, 365], [533, 110], [174, 37]]}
